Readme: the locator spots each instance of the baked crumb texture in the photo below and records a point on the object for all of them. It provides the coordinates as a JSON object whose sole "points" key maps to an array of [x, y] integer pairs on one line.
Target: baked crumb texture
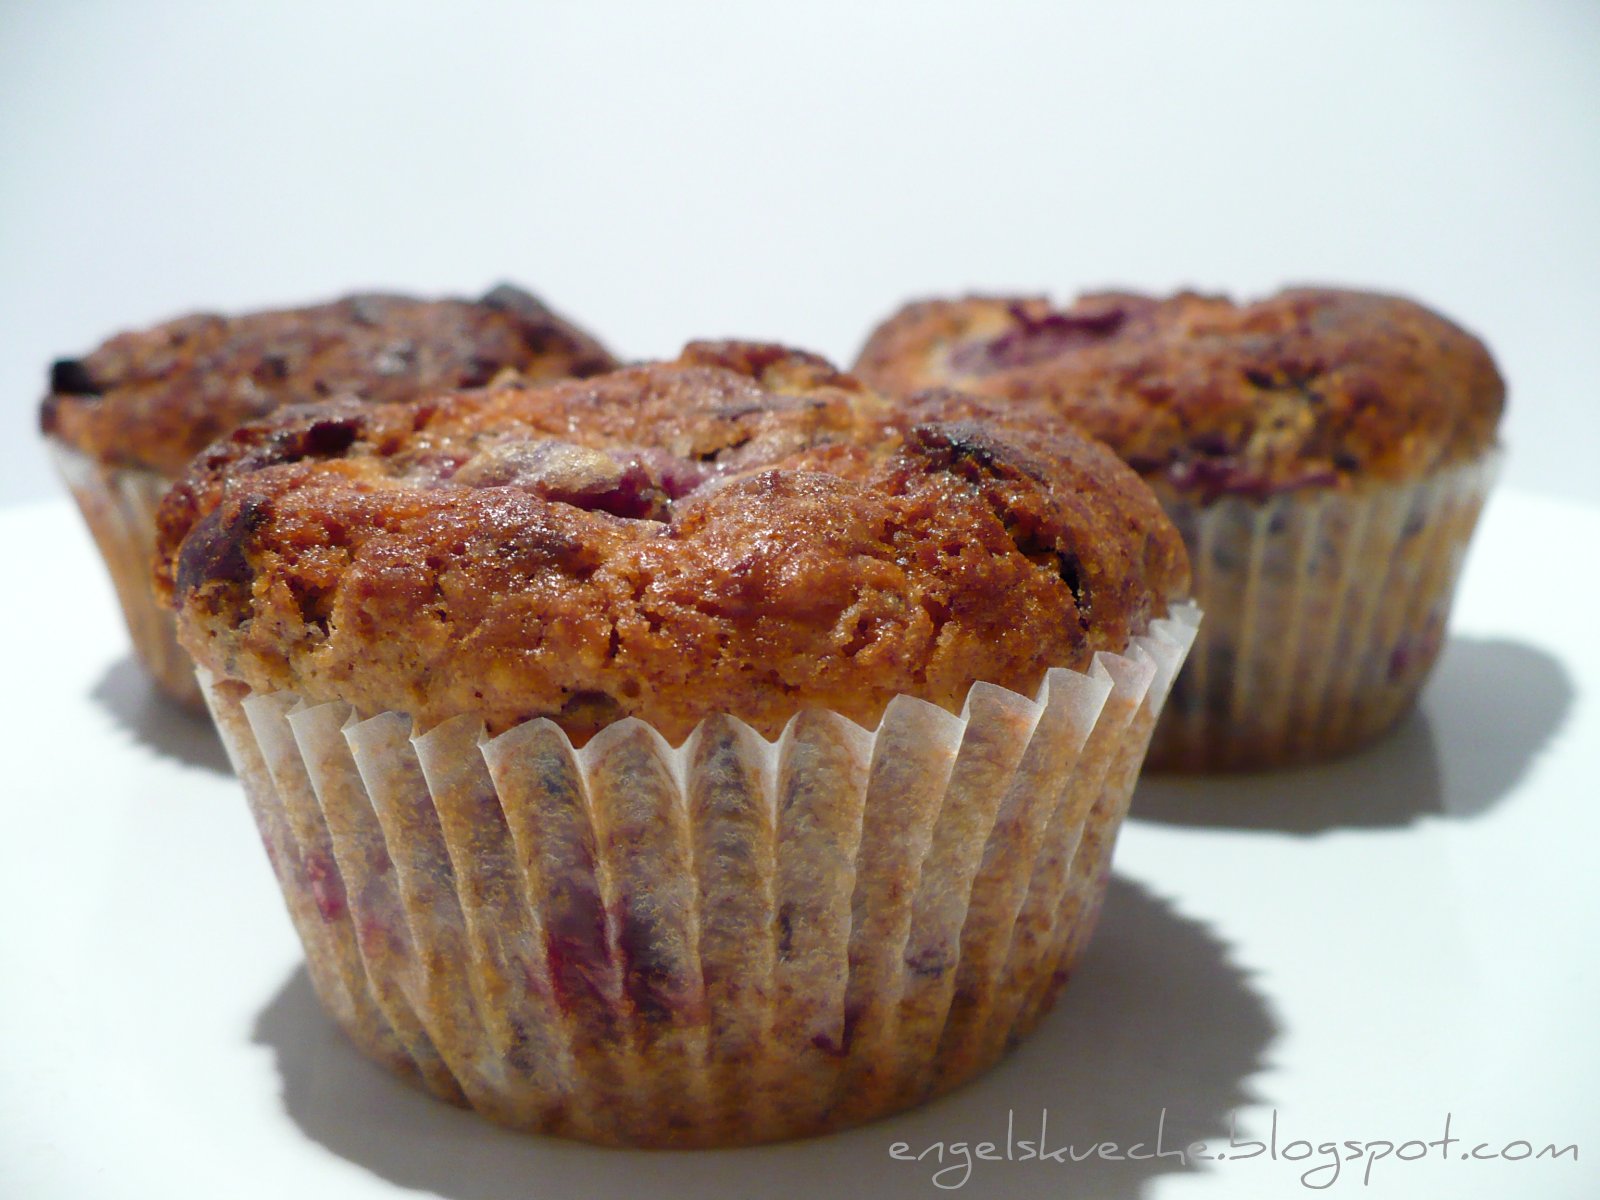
{"points": [[156, 397], [1324, 453], [744, 531], [124, 420], [1310, 388]]}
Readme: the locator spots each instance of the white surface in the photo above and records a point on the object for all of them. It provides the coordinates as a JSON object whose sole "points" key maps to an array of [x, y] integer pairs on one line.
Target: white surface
{"points": [[667, 171], [1364, 947]]}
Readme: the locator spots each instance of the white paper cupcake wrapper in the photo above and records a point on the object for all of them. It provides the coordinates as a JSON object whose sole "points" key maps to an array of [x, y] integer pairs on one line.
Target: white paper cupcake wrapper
{"points": [[729, 941], [119, 505], [1325, 611]]}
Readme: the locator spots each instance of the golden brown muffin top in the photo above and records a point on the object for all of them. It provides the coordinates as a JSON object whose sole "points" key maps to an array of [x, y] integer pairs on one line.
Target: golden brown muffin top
{"points": [[1311, 387], [157, 397], [741, 530]]}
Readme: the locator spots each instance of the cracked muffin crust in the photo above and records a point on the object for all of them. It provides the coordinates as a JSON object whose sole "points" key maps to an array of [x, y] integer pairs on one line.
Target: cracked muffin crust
{"points": [[741, 530], [1312, 387], [152, 399]]}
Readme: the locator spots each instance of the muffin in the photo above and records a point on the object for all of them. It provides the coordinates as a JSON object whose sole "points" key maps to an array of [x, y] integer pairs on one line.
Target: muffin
{"points": [[707, 753], [123, 422], [1324, 453]]}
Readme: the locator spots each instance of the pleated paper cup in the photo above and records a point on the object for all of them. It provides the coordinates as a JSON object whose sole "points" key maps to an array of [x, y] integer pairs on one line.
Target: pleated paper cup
{"points": [[723, 942], [119, 505], [1325, 611]]}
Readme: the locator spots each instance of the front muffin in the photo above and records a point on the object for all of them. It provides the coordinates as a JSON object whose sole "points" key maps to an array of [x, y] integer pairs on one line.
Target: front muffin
{"points": [[748, 749], [124, 421], [1325, 454]]}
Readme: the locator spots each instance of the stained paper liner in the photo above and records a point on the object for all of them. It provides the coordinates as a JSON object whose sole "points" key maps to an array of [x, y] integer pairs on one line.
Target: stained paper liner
{"points": [[724, 942], [1325, 611], [119, 504]]}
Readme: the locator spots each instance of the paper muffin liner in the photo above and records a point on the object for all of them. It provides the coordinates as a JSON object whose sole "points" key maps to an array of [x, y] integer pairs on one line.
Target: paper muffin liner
{"points": [[724, 942], [1325, 611], [119, 505]]}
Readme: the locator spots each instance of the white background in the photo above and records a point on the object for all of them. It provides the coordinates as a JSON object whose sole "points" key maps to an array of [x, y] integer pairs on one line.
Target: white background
{"points": [[1408, 932], [677, 170]]}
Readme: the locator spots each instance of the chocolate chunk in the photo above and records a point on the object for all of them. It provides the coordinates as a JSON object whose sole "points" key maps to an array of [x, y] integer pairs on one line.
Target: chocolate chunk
{"points": [[328, 439], [214, 550], [70, 377], [324, 437]]}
